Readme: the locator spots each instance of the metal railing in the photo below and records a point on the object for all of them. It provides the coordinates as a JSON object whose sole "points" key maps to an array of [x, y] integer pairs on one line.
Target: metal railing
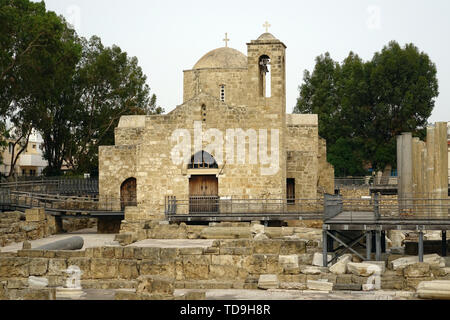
{"points": [[237, 206], [378, 208], [58, 203], [59, 186]]}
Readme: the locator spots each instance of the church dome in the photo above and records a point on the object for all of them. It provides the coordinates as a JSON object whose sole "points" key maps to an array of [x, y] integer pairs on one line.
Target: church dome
{"points": [[223, 58], [267, 36]]}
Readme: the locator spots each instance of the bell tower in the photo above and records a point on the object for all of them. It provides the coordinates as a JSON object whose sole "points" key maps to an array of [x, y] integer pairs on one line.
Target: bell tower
{"points": [[266, 95], [267, 75]]}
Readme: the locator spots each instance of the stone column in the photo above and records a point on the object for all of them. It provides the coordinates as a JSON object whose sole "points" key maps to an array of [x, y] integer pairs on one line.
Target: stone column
{"points": [[405, 175], [441, 169], [418, 175]]}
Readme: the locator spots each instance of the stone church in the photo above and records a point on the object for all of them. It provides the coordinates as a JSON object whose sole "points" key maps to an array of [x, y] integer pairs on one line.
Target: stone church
{"points": [[237, 103]]}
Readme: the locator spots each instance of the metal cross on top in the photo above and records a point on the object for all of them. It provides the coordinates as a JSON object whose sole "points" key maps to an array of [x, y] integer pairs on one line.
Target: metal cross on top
{"points": [[267, 26], [226, 39]]}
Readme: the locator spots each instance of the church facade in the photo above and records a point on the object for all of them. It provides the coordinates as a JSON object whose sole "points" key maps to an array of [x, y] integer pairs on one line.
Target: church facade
{"points": [[231, 138]]}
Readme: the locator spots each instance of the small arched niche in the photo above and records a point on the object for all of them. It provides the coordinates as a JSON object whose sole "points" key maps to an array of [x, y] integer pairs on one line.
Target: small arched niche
{"points": [[128, 193]]}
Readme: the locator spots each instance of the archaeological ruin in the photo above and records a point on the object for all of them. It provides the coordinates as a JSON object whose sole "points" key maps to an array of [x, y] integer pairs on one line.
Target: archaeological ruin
{"points": [[228, 192]]}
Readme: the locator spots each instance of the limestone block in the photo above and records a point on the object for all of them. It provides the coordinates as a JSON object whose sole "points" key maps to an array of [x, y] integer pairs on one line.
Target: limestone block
{"points": [[103, 268], [311, 270], [37, 282], [222, 272], [108, 252], [417, 270], [319, 285], [84, 264], [290, 261], [344, 278], [318, 259], [155, 285], [17, 283], [260, 237], [363, 269], [124, 239], [268, 281], [293, 247], [167, 255], [431, 259], [191, 251], [381, 264], [149, 267], [35, 215], [305, 258], [257, 228], [340, 267], [438, 289], [126, 295], [128, 253], [308, 233], [272, 265], [273, 233], [293, 286], [38, 266], [413, 283], [56, 267], [14, 267], [226, 233], [3, 290], [196, 267], [267, 247], [127, 269], [149, 254]]}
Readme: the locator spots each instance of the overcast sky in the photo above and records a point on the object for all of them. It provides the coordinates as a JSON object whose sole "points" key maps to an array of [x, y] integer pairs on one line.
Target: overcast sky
{"points": [[171, 36]]}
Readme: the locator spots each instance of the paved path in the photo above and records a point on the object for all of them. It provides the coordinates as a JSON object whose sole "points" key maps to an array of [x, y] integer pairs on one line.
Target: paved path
{"points": [[237, 294]]}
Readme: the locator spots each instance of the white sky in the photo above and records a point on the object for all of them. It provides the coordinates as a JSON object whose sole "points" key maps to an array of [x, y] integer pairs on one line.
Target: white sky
{"points": [[169, 36]]}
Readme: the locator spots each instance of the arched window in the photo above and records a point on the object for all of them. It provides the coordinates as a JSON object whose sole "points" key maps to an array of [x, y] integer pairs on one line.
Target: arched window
{"points": [[222, 93], [203, 160], [265, 81]]}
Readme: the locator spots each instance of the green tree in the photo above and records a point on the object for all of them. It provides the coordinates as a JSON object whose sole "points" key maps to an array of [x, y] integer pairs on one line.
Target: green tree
{"points": [[362, 106], [38, 53], [108, 84]]}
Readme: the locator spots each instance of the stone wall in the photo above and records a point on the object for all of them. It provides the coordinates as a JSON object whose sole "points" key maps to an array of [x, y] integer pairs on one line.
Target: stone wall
{"points": [[210, 80], [18, 227], [326, 170], [35, 224], [226, 264]]}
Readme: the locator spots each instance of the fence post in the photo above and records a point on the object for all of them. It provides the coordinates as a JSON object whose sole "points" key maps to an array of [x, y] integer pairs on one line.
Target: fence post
{"points": [[369, 245], [324, 246], [420, 245]]}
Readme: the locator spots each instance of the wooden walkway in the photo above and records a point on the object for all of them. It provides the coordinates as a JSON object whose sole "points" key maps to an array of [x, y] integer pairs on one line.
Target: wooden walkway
{"points": [[62, 206]]}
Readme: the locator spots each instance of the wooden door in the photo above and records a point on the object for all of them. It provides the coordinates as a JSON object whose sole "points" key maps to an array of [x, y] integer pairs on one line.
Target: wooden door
{"points": [[203, 194], [128, 194]]}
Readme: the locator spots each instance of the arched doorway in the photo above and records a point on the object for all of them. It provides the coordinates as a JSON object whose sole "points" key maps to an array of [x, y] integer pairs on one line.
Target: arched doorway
{"points": [[203, 187], [128, 194]]}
